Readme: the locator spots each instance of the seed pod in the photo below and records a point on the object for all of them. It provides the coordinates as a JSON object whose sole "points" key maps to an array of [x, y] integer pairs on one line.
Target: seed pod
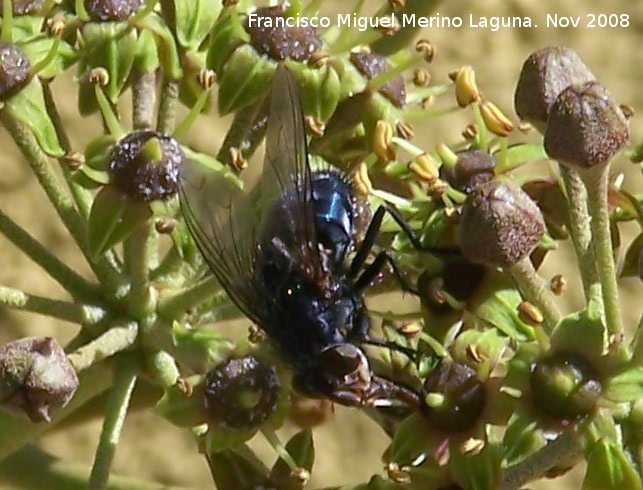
{"points": [[565, 386], [371, 65], [145, 165], [500, 224], [279, 42], [241, 394], [544, 75], [461, 397], [586, 127], [36, 377], [111, 10], [14, 68], [24, 7], [473, 167]]}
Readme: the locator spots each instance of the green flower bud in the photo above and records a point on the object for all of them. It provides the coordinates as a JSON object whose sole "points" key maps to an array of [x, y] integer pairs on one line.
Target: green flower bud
{"points": [[472, 167], [145, 165], [456, 398], [544, 75], [36, 377], [586, 127], [241, 394], [500, 224], [14, 68], [565, 386], [111, 10]]}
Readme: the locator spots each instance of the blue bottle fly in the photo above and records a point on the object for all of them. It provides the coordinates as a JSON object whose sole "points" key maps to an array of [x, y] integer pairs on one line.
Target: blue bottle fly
{"points": [[281, 252]]}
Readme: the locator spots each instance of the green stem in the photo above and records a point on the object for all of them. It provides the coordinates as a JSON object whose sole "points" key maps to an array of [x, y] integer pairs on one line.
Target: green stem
{"points": [[245, 131], [143, 94], [117, 405], [56, 474], [70, 217], [176, 305], [71, 312], [77, 286], [637, 347], [536, 466], [16, 432], [533, 289], [114, 340], [140, 250], [579, 227], [167, 110], [170, 264], [596, 182]]}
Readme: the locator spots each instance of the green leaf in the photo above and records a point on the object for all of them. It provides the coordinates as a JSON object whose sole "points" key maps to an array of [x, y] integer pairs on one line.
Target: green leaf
{"points": [[38, 48], [112, 218], [490, 345], [165, 45], [631, 262], [98, 151], [582, 333], [237, 468], [210, 163], [194, 20], [198, 348], [625, 386], [522, 153], [477, 470], [181, 409], [226, 36], [319, 89], [500, 309], [302, 448], [522, 438], [146, 59], [609, 468], [28, 107]]}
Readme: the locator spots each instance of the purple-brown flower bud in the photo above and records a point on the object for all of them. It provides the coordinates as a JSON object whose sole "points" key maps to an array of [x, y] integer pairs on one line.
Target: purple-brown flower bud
{"points": [[24, 7], [279, 42], [371, 65], [145, 165], [36, 377], [472, 167], [455, 397], [14, 68], [112, 10], [585, 127], [500, 224], [544, 75], [241, 394]]}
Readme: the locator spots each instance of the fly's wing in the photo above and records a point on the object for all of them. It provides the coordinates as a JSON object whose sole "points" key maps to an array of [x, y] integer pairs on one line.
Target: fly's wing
{"points": [[286, 170], [220, 218]]}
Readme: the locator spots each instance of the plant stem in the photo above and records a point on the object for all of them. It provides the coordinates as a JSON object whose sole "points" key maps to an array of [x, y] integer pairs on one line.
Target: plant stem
{"points": [[596, 180], [532, 288], [170, 264], [140, 250], [77, 286], [579, 227], [565, 446], [176, 305], [16, 432], [143, 95], [167, 110], [114, 340], [117, 405], [71, 312], [245, 127], [55, 474]]}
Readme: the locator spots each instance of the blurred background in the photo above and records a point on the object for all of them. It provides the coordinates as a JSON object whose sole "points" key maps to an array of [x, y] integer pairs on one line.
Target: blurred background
{"points": [[349, 447]]}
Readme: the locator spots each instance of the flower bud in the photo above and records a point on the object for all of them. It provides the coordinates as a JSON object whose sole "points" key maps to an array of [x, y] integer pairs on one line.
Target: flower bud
{"points": [[273, 39], [564, 386], [472, 167], [36, 377], [145, 165], [500, 224], [14, 68], [544, 75], [111, 10], [458, 395], [371, 65], [585, 126], [241, 394]]}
